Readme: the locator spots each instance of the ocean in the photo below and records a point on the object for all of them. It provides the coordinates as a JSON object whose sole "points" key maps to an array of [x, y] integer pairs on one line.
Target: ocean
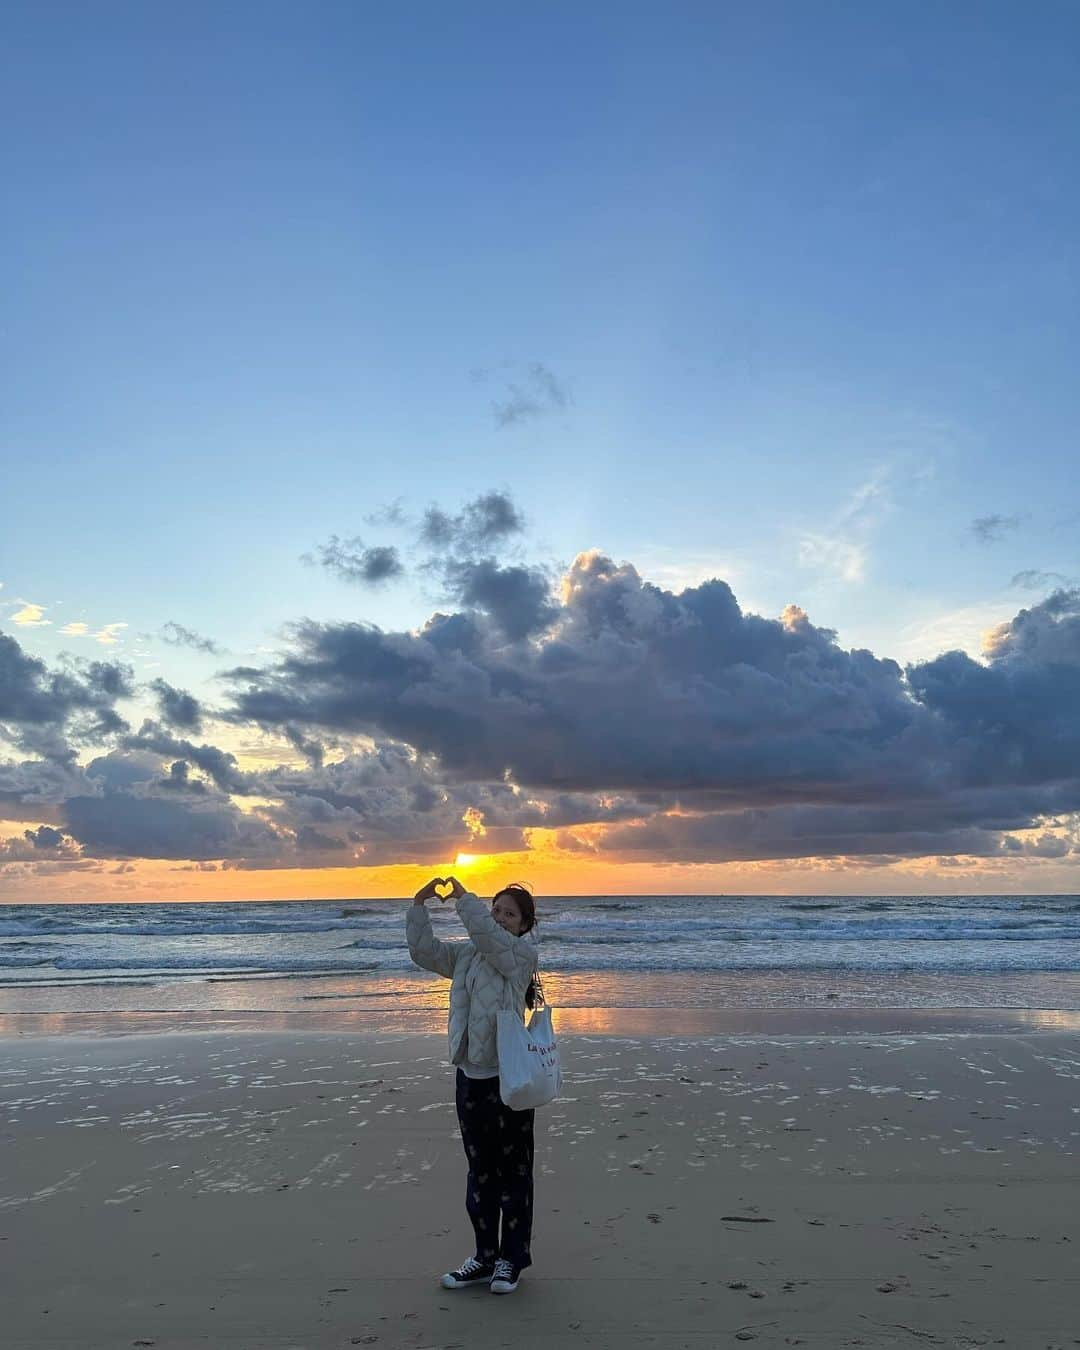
{"points": [[630, 952]]}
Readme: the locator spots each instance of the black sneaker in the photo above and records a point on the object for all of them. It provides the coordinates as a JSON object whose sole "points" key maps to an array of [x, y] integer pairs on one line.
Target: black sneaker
{"points": [[471, 1272], [505, 1278]]}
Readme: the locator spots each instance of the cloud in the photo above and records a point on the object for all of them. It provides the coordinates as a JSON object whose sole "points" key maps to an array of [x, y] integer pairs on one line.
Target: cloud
{"points": [[606, 715], [843, 550], [43, 845], [392, 805], [180, 780], [518, 599], [377, 806], [538, 394], [784, 832], [312, 750], [711, 713], [31, 789], [385, 805], [219, 765], [482, 526], [1045, 637], [44, 837], [146, 823], [43, 708], [842, 558], [631, 686], [178, 708], [449, 541], [107, 636], [30, 616], [1034, 580], [176, 635], [991, 529], [392, 514], [352, 561], [462, 548]]}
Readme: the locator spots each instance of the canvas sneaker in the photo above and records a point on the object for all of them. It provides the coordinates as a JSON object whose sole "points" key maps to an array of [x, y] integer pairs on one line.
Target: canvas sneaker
{"points": [[506, 1277], [469, 1273]]}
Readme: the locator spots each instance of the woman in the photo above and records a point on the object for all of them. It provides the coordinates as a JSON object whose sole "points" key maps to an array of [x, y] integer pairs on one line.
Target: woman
{"points": [[495, 969]]}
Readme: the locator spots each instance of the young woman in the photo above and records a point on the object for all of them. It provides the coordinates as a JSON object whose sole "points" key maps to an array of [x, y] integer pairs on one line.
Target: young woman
{"points": [[495, 969]]}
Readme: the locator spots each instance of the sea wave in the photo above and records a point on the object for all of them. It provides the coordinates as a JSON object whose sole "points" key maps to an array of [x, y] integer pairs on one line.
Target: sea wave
{"points": [[641, 958]]}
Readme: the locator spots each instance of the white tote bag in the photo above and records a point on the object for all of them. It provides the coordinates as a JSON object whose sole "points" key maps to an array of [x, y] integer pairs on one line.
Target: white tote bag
{"points": [[529, 1072]]}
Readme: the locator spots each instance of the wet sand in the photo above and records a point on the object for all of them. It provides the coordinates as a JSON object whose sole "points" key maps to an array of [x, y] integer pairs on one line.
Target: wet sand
{"points": [[287, 1188]]}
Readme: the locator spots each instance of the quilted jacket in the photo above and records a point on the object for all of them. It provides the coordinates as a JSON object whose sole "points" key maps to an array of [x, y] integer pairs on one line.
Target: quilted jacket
{"points": [[490, 971]]}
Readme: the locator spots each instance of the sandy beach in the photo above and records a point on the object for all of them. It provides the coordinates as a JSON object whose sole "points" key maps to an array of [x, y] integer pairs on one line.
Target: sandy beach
{"points": [[270, 1188]]}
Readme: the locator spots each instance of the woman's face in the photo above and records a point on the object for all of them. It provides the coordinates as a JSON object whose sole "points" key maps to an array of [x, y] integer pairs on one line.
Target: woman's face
{"points": [[505, 912]]}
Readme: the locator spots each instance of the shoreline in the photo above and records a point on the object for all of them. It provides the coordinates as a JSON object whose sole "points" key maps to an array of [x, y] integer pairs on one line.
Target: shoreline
{"points": [[653, 1023]]}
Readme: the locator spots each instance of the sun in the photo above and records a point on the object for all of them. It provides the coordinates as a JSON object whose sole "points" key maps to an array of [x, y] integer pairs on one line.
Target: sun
{"points": [[463, 859]]}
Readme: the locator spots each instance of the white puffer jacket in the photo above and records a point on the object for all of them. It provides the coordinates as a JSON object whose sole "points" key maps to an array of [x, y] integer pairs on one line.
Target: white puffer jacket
{"points": [[490, 971]]}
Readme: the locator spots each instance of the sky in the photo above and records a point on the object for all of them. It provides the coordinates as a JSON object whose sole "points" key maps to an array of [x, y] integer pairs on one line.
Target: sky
{"points": [[628, 449]]}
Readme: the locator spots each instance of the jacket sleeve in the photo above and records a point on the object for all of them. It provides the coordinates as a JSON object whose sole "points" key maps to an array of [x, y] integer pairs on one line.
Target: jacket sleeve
{"points": [[508, 954], [425, 948]]}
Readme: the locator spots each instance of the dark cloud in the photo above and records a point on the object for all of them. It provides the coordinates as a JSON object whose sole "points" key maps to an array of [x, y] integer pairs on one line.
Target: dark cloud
{"points": [[44, 712], [640, 691], [483, 525], [351, 560], [397, 806], [752, 836], [44, 837], [449, 541], [135, 807], [1016, 719], [120, 770], [180, 780], [1034, 580], [969, 822], [43, 846], [393, 514], [1047, 634], [377, 806], [31, 789], [628, 720], [312, 750], [176, 635], [536, 395], [32, 694], [219, 765], [308, 839], [179, 709], [517, 598], [632, 687], [989, 529], [141, 825]]}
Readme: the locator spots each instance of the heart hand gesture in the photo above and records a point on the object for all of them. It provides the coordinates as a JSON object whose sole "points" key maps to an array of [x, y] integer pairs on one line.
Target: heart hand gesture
{"points": [[426, 892]]}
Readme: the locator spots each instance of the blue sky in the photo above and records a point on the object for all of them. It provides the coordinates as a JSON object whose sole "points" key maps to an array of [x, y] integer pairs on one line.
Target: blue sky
{"points": [[784, 294]]}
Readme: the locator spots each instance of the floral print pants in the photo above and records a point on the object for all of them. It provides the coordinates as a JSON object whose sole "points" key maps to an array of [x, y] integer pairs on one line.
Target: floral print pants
{"points": [[498, 1143]]}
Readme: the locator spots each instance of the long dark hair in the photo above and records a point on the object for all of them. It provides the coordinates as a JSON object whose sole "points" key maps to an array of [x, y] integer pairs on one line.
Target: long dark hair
{"points": [[523, 898]]}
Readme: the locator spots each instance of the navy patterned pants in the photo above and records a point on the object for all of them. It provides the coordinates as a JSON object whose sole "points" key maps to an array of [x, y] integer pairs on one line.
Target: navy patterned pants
{"points": [[499, 1146]]}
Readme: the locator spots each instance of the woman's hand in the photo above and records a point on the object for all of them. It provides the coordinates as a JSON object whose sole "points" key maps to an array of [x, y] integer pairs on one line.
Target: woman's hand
{"points": [[426, 892], [458, 890]]}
